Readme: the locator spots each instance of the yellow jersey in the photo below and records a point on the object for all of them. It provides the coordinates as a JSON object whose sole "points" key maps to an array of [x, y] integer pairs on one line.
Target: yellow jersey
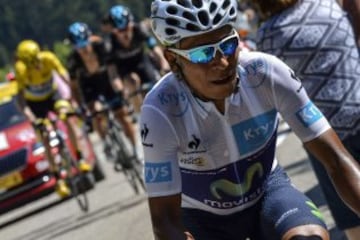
{"points": [[37, 81]]}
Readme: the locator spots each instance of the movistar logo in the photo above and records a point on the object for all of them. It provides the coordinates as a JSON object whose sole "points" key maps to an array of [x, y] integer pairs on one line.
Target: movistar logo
{"points": [[233, 189]]}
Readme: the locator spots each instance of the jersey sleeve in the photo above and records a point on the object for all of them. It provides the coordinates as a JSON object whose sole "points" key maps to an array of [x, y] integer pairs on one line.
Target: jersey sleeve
{"points": [[293, 103], [56, 64], [72, 65], [20, 74], [162, 173]]}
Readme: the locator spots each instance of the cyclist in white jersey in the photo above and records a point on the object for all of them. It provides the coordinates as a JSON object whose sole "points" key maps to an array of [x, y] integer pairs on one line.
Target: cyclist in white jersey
{"points": [[209, 131], [315, 38]]}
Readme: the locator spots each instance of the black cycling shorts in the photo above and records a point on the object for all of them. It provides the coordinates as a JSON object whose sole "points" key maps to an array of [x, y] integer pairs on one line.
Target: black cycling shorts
{"points": [[144, 68], [98, 84], [41, 108], [281, 208]]}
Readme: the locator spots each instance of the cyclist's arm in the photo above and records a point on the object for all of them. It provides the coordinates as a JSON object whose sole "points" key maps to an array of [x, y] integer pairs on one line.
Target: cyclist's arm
{"points": [[162, 173], [25, 108], [115, 78], [309, 124], [166, 218], [159, 55], [158, 52], [58, 66], [340, 166], [76, 90], [21, 75]]}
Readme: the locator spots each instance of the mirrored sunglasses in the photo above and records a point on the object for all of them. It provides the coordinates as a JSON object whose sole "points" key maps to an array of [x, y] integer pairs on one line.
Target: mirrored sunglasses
{"points": [[206, 53]]}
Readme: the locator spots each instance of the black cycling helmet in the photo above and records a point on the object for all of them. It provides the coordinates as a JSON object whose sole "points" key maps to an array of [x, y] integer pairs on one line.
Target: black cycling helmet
{"points": [[120, 16], [79, 34]]}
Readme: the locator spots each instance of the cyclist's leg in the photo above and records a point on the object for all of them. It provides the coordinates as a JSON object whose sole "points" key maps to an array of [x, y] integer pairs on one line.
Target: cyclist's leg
{"points": [[286, 212], [132, 83], [207, 226], [40, 110], [121, 113], [74, 127]]}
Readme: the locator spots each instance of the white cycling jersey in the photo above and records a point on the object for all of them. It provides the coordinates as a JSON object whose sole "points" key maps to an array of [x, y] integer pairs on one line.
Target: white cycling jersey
{"points": [[220, 161]]}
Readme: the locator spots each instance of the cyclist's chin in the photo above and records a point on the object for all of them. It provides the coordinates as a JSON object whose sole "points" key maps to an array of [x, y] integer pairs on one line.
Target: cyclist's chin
{"points": [[224, 89]]}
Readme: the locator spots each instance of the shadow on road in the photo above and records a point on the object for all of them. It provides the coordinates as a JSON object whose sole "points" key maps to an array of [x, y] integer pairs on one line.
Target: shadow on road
{"points": [[63, 226]]}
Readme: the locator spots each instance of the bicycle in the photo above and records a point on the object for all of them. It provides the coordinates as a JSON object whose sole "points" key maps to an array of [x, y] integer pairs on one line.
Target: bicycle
{"points": [[51, 129], [124, 154]]}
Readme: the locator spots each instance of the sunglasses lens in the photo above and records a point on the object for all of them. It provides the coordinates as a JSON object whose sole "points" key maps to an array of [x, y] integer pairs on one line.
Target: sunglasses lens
{"points": [[229, 46], [202, 55]]}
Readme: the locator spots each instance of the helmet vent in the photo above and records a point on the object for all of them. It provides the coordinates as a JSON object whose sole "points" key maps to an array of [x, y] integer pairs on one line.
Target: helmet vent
{"points": [[192, 27], [232, 11], [172, 10], [217, 19], [170, 31], [213, 7], [172, 22], [197, 3], [189, 16], [203, 17], [184, 3], [226, 4]]}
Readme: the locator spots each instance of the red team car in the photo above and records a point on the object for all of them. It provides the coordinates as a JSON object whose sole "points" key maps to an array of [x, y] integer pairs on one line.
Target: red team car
{"points": [[24, 169]]}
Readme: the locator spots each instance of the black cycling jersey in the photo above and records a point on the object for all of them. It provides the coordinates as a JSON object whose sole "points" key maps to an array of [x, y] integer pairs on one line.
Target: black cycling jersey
{"points": [[134, 58], [76, 66], [95, 84]]}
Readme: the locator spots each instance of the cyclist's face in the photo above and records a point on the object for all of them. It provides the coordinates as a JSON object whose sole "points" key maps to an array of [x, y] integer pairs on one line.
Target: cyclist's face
{"points": [[216, 79], [31, 61]]}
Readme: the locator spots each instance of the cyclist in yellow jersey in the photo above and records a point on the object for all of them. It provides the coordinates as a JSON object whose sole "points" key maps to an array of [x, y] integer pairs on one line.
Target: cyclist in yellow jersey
{"points": [[38, 93]]}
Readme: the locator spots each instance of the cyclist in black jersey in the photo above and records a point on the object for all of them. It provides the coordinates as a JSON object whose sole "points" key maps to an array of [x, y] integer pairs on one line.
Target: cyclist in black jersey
{"points": [[93, 77], [209, 133], [131, 43]]}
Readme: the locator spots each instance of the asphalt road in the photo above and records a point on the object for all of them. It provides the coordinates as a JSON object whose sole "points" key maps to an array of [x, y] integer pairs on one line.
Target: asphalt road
{"points": [[116, 212]]}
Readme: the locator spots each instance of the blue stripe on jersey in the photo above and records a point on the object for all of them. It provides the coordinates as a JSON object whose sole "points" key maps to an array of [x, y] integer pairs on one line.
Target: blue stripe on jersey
{"points": [[253, 133], [309, 114], [158, 172]]}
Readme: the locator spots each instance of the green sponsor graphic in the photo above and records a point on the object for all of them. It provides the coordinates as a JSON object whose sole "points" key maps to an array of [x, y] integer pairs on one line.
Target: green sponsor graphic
{"points": [[315, 211], [239, 189]]}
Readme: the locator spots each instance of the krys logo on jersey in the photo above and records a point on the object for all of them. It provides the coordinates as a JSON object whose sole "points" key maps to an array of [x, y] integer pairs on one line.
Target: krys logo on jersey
{"points": [[177, 102], [254, 73], [309, 114], [158, 172], [251, 134]]}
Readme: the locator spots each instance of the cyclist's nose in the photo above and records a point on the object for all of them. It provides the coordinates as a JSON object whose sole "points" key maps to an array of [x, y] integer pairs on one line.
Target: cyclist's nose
{"points": [[220, 60]]}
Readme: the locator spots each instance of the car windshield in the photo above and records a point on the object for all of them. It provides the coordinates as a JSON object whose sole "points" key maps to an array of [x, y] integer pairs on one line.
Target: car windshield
{"points": [[10, 114]]}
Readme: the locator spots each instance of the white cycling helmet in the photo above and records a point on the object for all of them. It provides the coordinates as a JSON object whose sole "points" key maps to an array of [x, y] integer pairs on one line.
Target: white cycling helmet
{"points": [[173, 20]]}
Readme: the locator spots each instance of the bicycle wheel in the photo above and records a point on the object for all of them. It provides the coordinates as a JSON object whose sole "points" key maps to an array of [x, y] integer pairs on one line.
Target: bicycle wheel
{"points": [[122, 147], [125, 160], [76, 181]]}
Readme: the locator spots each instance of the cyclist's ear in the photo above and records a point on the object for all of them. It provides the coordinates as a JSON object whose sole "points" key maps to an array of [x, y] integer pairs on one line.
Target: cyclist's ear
{"points": [[172, 60]]}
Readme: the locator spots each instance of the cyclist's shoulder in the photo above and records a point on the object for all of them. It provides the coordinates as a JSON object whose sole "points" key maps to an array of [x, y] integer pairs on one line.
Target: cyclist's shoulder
{"points": [[20, 67], [168, 95], [256, 62], [48, 57]]}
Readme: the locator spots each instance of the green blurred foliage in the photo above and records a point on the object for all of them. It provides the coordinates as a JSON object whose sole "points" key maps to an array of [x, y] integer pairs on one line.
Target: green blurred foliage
{"points": [[46, 22]]}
